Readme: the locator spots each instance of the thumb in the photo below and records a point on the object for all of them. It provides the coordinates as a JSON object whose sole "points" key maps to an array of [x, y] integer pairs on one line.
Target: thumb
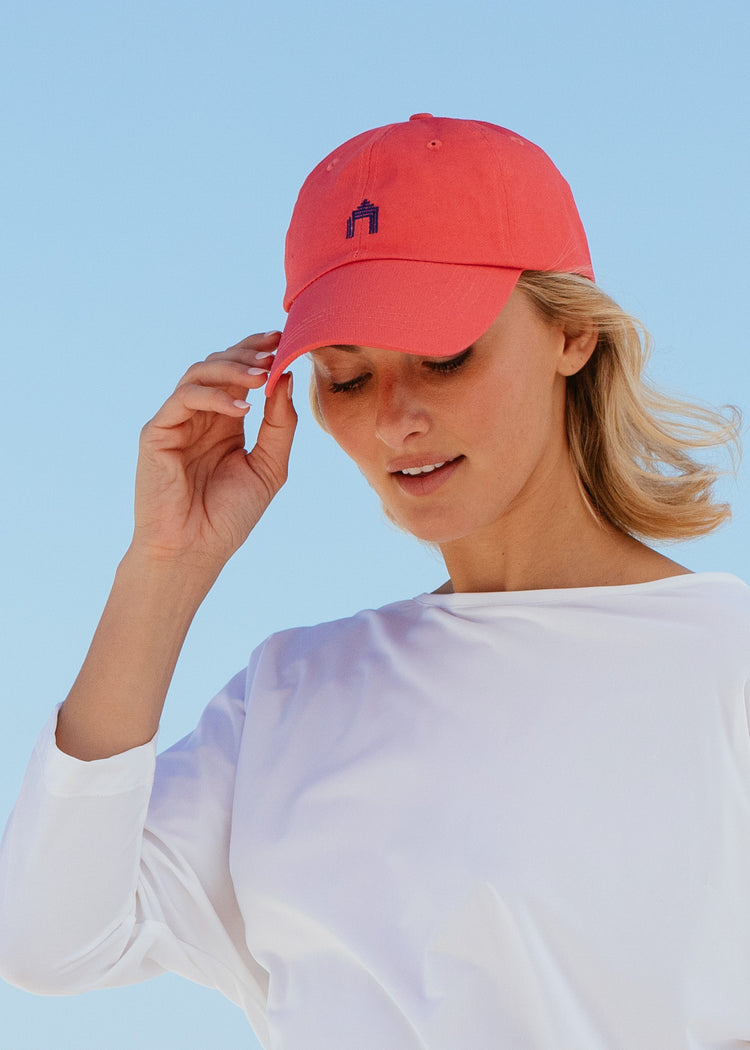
{"points": [[274, 443]]}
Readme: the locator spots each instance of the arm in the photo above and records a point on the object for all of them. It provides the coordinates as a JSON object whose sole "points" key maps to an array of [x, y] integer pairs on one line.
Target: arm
{"points": [[198, 496], [93, 892], [107, 879]]}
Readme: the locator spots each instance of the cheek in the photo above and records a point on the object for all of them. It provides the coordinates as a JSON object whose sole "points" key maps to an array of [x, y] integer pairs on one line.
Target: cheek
{"points": [[496, 409], [530, 390], [343, 422], [324, 407], [515, 419]]}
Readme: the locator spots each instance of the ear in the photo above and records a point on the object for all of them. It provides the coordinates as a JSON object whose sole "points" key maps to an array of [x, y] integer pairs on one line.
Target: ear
{"points": [[576, 351]]}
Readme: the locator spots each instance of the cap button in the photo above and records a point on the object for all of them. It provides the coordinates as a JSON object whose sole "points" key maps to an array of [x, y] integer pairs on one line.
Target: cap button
{"points": [[421, 116]]}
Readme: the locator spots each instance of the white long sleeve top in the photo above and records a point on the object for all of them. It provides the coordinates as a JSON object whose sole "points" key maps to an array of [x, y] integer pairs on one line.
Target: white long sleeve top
{"points": [[516, 821]]}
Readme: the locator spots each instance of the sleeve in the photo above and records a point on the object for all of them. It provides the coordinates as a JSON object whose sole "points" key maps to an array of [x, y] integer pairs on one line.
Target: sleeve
{"points": [[116, 870]]}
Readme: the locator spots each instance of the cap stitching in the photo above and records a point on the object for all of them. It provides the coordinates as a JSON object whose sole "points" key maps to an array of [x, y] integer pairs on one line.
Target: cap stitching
{"points": [[357, 253], [499, 182]]}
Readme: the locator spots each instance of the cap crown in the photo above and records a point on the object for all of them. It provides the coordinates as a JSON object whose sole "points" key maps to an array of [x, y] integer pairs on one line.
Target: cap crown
{"points": [[435, 189]]}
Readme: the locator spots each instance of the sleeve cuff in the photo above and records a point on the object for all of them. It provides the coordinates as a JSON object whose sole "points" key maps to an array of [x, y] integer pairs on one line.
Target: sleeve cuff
{"points": [[67, 776]]}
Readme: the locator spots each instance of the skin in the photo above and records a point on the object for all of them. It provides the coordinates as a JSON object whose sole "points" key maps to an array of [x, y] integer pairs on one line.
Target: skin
{"points": [[509, 514], [198, 496], [506, 511]]}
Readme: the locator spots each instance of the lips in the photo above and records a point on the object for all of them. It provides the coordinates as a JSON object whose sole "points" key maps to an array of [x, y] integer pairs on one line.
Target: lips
{"points": [[425, 477], [413, 471], [423, 464]]}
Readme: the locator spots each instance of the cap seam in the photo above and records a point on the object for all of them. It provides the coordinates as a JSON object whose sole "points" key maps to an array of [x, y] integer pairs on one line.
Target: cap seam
{"points": [[365, 181], [499, 184]]}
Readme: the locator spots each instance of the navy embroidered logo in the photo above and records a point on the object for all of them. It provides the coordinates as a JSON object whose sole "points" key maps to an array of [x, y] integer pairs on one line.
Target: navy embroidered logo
{"points": [[366, 210]]}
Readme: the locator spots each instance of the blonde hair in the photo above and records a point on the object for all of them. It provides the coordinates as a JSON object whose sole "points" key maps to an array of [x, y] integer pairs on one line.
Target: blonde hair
{"points": [[632, 446]]}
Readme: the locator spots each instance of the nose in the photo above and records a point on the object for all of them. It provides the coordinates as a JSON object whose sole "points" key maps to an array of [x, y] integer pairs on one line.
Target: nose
{"points": [[401, 413]]}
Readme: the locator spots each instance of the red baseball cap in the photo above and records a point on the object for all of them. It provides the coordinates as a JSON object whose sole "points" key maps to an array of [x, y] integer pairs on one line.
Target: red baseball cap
{"points": [[412, 236]]}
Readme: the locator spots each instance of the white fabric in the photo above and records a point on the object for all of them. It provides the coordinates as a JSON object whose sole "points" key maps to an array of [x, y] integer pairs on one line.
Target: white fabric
{"points": [[501, 821]]}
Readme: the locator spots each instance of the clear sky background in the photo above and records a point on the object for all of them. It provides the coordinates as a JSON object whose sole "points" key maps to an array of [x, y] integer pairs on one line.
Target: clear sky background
{"points": [[151, 155]]}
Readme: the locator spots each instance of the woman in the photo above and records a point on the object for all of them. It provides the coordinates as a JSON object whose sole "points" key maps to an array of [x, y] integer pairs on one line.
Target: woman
{"points": [[512, 813]]}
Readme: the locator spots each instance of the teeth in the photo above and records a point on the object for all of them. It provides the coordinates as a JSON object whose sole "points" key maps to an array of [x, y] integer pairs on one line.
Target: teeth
{"points": [[423, 470]]}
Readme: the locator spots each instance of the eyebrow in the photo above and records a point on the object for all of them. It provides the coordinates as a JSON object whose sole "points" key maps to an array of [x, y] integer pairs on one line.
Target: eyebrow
{"points": [[348, 348]]}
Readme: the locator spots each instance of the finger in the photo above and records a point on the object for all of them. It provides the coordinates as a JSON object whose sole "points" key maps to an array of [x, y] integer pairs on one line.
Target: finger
{"points": [[270, 457], [226, 373], [254, 341], [254, 346], [190, 398]]}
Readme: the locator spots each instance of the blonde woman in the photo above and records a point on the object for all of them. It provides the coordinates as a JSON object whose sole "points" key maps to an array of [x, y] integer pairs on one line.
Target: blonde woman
{"points": [[514, 812]]}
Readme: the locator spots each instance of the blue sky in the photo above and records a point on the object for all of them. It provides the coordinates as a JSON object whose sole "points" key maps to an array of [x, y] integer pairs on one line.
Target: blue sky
{"points": [[152, 154]]}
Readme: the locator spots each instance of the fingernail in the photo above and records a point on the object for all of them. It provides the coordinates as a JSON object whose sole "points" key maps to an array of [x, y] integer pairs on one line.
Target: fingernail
{"points": [[289, 385], [241, 404], [257, 371], [263, 354], [274, 331]]}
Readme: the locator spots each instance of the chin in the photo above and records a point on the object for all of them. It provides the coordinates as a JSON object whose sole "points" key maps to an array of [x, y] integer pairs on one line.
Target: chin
{"points": [[434, 533]]}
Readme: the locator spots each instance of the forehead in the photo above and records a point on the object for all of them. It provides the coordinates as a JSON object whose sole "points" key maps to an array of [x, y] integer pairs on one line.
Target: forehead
{"points": [[351, 348], [340, 351]]}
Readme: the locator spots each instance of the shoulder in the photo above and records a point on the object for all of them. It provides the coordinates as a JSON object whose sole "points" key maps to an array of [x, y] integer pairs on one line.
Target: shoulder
{"points": [[717, 597], [701, 604], [697, 621], [723, 601], [364, 629]]}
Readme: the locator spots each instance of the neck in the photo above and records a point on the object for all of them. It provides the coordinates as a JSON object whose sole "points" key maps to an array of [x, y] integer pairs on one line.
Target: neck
{"points": [[559, 544]]}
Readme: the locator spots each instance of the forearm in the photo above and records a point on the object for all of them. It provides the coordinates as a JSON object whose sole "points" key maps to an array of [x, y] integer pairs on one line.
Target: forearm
{"points": [[69, 868], [88, 900], [199, 494], [117, 699]]}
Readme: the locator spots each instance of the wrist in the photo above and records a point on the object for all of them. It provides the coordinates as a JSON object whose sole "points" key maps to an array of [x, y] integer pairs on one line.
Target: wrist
{"points": [[176, 579]]}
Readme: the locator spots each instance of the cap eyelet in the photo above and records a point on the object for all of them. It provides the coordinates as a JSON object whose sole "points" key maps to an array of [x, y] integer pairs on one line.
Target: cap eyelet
{"points": [[434, 144]]}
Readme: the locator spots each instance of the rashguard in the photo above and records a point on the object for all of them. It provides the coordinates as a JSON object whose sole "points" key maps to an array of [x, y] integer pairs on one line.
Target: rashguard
{"points": [[516, 820]]}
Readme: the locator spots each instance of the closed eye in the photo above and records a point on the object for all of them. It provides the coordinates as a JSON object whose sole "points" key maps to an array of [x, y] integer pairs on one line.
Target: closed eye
{"points": [[449, 364], [351, 385], [441, 366]]}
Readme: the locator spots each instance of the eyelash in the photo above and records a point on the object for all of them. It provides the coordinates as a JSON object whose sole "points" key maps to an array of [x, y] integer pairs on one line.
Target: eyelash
{"points": [[451, 365], [439, 367]]}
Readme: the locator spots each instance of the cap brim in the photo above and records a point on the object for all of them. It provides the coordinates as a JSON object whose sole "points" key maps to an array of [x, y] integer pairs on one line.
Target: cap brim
{"points": [[431, 309]]}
